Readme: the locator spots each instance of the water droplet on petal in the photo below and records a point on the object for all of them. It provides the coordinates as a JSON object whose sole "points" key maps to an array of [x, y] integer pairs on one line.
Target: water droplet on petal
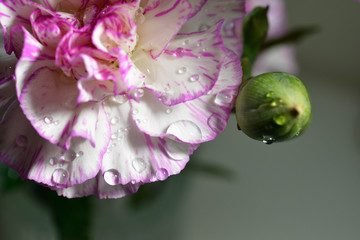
{"points": [[114, 120], [133, 181], [194, 78], [112, 177], [177, 150], [229, 29], [69, 155], [217, 123], [80, 154], [186, 42], [185, 130], [199, 44], [135, 111], [48, 119], [168, 110], [181, 70], [203, 27], [139, 164], [53, 161], [162, 174], [114, 136], [223, 98], [120, 99], [21, 141], [60, 176]]}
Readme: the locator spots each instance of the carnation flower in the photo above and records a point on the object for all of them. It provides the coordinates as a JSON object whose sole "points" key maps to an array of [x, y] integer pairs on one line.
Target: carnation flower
{"points": [[108, 95], [279, 58]]}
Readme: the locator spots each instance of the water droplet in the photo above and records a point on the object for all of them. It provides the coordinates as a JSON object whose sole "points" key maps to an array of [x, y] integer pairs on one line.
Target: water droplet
{"points": [[60, 176], [56, 122], [203, 27], [69, 155], [162, 174], [186, 42], [217, 123], [114, 120], [229, 29], [112, 177], [199, 44], [185, 130], [135, 111], [268, 140], [181, 70], [177, 150], [178, 52], [71, 102], [133, 181], [138, 121], [280, 120], [168, 110], [194, 78], [21, 141], [139, 164], [48, 119], [145, 121], [114, 136], [53, 161], [80, 154], [140, 93], [120, 99], [223, 98]]}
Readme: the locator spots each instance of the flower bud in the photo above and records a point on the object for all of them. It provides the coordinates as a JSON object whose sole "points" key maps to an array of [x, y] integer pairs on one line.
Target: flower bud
{"points": [[273, 107]]}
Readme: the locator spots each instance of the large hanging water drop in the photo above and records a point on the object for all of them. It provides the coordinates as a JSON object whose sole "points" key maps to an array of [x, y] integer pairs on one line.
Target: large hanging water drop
{"points": [[223, 98], [217, 123], [21, 141], [60, 176], [112, 177], [185, 130], [162, 174], [177, 150]]}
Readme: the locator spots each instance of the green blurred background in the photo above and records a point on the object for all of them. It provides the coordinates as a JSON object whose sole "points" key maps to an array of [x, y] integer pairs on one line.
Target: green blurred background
{"points": [[308, 188]]}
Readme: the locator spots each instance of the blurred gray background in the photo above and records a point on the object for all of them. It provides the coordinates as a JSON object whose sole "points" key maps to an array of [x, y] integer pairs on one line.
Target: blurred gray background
{"points": [[308, 188]]}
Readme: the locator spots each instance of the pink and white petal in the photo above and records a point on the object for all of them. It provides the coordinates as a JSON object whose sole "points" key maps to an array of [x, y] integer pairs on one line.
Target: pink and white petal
{"points": [[42, 101], [196, 6], [169, 15], [106, 191], [80, 190], [35, 158], [13, 13], [232, 11], [82, 160], [189, 67], [130, 76], [33, 57], [194, 121], [65, 5], [133, 156]]}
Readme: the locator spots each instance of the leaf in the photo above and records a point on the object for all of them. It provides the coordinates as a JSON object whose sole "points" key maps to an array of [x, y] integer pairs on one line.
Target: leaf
{"points": [[255, 27], [295, 35]]}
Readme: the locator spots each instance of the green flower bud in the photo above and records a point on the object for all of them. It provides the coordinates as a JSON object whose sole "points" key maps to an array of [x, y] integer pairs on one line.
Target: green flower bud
{"points": [[273, 107]]}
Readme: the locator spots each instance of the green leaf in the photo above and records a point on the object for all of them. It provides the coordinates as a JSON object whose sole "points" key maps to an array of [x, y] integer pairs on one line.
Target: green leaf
{"points": [[255, 27], [295, 35]]}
